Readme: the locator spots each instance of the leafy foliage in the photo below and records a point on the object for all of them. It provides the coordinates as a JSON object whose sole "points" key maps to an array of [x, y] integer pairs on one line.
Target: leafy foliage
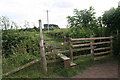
{"points": [[83, 16], [5, 23], [59, 33], [111, 19], [84, 23], [17, 43]]}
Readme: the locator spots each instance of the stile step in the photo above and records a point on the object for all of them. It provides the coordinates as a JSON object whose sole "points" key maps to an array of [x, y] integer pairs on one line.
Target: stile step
{"points": [[72, 64], [63, 56]]}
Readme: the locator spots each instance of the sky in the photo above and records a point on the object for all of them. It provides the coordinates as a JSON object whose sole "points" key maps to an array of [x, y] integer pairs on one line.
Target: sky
{"points": [[20, 11]]}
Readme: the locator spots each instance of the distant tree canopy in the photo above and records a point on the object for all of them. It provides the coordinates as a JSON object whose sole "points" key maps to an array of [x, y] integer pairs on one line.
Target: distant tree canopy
{"points": [[111, 19], [5, 23], [81, 17], [51, 26], [83, 23]]}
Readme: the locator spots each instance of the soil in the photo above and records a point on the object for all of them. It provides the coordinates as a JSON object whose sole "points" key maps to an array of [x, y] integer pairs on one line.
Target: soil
{"points": [[107, 69]]}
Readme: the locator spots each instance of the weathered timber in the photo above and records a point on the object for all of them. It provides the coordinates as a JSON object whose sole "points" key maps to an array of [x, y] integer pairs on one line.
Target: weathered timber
{"points": [[87, 44], [71, 51], [21, 67], [80, 41], [102, 53], [63, 56], [102, 48], [42, 49], [75, 57], [65, 51], [111, 45], [65, 59], [77, 39], [72, 64], [92, 47], [102, 42], [55, 44]]}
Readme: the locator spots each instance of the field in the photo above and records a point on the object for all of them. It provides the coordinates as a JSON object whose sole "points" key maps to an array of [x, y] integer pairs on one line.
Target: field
{"points": [[57, 70]]}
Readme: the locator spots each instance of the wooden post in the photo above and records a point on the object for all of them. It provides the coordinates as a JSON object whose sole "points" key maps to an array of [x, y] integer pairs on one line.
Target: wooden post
{"points": [[71, 51], [92, 47], [111, 44], [42, 49], [21, 67], [67, 63]]}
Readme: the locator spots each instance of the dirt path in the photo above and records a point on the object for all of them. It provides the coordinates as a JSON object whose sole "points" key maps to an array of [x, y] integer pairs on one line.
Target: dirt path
{"points": [[108, 69]]}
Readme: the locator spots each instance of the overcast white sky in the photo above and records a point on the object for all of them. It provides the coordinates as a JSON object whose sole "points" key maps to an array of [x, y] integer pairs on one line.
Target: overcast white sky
{"points": [[33, 10]]}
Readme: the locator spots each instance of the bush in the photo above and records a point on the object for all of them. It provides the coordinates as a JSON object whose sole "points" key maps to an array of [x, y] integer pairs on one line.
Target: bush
{"points": [[16, 43], [59, 33]]}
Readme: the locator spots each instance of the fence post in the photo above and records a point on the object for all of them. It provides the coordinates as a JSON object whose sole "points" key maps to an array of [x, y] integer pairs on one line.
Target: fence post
{"points": [[111, 44], [92, 47], [42, 49], [71, 51]]}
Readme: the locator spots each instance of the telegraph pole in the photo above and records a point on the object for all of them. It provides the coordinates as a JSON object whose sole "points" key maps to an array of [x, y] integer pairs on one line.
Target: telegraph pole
{"points": [[47, 21], [119, 4]]}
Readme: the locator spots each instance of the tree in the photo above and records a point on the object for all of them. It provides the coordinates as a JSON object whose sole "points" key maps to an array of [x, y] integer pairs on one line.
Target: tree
{"points": [[111, 19], [83, 16], [26, 24], [14, 25], [5, 22], [83, 21]]}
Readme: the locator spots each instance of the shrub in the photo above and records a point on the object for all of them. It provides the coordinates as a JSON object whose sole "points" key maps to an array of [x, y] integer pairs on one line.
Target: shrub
{"points": [[16, 43]]}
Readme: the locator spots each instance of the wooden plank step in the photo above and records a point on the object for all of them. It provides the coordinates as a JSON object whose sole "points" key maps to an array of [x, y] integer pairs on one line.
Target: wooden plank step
{"points": [[63, 57], [72, 64]]}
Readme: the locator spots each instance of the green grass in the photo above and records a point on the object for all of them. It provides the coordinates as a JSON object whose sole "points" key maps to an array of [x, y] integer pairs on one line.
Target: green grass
{"points": [[55, 70]]}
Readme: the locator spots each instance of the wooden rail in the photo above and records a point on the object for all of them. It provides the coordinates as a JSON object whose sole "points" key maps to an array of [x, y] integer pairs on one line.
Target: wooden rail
{"points": [[102, 53], [92, 45], [87, 44], [21, 67], [102, 48], [66, 51], [55, 44], [78, 39]]}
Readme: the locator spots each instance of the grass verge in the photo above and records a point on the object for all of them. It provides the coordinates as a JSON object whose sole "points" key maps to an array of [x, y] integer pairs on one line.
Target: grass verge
{"points": [[55, 70]]}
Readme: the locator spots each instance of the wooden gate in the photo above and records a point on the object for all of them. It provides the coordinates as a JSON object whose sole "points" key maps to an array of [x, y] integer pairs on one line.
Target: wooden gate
{"points": [[99, 47]]}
